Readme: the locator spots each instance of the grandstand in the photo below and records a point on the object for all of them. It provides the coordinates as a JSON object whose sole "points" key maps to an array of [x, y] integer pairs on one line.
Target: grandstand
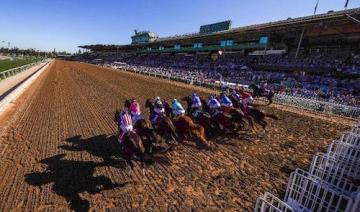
{"points": [[314, 56], [326, 32]]}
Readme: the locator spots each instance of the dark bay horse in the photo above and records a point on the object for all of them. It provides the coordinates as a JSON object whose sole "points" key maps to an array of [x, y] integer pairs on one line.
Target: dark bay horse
{"points": [[222, 120], [257, 115], [144, 130], [200, 117], [132, 145], [260, 117], [258, 92], [164, 127]]}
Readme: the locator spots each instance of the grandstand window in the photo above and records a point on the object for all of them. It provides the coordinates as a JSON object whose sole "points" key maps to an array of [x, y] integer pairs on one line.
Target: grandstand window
{"points": [[161, 48], [229, 42], [198, 45], [149, 49], [224, 43], [177, 46]]}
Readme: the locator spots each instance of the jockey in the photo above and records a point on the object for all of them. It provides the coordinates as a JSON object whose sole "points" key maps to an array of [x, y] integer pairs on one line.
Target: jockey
{"points": [[225, 101], [213, 104], [195, 101], [236, 95], [135, 111], [246, 100], [263, 88], [124, 124], [177, 108], [158, 109]]}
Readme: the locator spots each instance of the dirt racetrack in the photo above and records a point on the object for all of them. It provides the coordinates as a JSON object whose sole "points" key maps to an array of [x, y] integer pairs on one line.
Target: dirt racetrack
{"points": [[56, 152]]}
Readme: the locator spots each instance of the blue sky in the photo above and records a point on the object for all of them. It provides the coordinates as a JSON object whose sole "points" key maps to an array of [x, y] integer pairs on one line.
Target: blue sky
{"points": [[65, 24]]}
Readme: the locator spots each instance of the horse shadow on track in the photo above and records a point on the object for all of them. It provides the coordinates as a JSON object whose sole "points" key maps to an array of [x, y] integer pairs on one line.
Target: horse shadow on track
{"points": [[108, 148], [105, 147], [70, 178]]}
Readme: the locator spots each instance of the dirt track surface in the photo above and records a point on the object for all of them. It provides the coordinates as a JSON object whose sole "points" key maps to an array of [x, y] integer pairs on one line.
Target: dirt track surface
{"points": [[56, 152]]}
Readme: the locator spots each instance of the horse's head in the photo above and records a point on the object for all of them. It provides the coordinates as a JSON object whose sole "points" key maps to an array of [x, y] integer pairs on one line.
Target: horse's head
{"points": [[149, 104], [117, 115], [205, 106], [127, 103], [186, 98], [167, 108]]}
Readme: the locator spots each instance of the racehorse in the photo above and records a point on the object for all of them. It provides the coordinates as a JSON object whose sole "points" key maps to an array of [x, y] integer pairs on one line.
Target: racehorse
{"points": [[254, 113], [238, 114], [222, 120], [132, 145], [238, 117], [258, 92], [144, 130], [185, 126], [260, 116], [200, 117], [164, 126]]}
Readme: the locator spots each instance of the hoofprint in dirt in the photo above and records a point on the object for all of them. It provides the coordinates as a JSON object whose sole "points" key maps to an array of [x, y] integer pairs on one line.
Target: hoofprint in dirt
{"points": [[58, 153]]}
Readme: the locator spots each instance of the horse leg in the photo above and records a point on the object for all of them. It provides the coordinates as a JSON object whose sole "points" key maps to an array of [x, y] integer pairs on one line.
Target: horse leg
{"points": [[142, 162], [199, 131], [272, 116], [250, 122], [128, 161], [263, 123]]}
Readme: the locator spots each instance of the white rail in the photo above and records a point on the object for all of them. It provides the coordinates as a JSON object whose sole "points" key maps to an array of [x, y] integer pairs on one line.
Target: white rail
{"points": [[351, 138], [270, 203], [345, 152], [335, 172], [304, 193], [11, 72]]}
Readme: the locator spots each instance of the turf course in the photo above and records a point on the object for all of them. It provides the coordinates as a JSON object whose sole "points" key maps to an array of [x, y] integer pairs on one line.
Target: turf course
{"points": [[9, 64]]}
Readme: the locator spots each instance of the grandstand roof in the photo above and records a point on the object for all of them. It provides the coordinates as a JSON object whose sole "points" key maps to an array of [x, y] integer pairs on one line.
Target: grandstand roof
{"points": [[290, 24]]}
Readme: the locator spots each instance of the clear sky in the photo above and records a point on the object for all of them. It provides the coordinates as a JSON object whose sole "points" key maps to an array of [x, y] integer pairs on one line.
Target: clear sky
{"points": [[65, 24]]}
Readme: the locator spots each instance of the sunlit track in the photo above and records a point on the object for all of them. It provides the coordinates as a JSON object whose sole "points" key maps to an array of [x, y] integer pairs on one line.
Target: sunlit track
{"points": [[69, 110]]}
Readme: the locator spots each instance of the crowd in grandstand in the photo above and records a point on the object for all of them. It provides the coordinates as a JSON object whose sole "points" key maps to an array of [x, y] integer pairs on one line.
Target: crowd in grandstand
{"points": [[243, 70]]}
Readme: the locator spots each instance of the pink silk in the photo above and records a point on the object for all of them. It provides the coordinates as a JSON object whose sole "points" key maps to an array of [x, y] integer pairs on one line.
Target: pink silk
{"points": [[135, 108]]}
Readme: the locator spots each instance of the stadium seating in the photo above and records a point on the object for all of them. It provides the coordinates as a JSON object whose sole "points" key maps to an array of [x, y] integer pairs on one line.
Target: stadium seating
{"points": [[235, 68]]}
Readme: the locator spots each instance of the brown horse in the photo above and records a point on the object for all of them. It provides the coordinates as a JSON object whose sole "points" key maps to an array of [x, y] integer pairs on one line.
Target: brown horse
{"points": [[258, 92], [131, 145], [257, 115], [164, 126], [260, 116], [185, 125], [200, 117], [144, 130], [222, 120]]}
